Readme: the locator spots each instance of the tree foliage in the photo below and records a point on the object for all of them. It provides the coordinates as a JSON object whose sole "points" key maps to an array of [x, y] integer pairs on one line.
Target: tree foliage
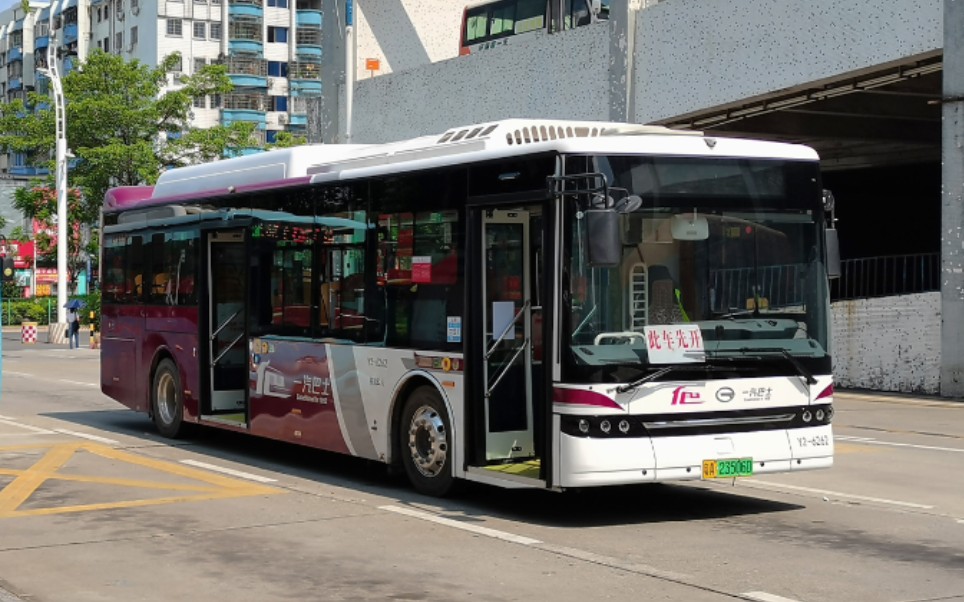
{"points": [[40, 203], [123, 128]]}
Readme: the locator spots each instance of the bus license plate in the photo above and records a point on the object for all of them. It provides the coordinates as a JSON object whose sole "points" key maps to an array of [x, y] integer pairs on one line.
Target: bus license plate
{"points": [[725, 469]]}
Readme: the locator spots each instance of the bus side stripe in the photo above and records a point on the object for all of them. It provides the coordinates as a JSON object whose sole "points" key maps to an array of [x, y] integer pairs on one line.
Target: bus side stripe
{"points": [[349, 403]]}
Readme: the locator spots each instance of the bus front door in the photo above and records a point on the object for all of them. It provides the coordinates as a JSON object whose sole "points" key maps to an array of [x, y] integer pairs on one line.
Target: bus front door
{"points": [[227, 351], [507, 334]]}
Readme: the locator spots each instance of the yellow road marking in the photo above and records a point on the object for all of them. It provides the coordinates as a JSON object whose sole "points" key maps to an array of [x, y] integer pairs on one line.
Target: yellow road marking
{"points": [[26, 482]]}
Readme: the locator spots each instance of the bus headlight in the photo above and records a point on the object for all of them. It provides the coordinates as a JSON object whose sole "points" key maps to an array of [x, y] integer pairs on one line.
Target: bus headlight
{"points": [[605, 426], [583, 426], [624, 426]]}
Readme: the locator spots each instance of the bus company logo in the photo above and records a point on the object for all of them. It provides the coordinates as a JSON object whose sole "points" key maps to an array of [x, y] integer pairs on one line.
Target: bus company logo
{"points": [[725, 394], [682, 397], [270, 382]]}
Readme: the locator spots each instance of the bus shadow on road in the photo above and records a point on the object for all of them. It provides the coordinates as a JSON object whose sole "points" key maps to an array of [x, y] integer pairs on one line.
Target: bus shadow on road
{"points": [[589, 507]]}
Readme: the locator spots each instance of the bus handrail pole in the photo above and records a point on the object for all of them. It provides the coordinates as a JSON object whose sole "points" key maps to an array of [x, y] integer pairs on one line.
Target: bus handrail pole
{"points": [[225, 323], [509, 326], [508, 365], [226, 349]]}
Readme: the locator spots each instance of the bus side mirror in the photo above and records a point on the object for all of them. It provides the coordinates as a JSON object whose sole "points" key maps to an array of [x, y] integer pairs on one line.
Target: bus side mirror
{"points": [[833, 254], [603, 238]]}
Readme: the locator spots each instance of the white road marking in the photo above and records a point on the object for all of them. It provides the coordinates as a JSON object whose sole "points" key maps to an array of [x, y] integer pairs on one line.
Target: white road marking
{"points": [[765, 597], [229, 471], [485, 531], [57, 380], [872, 441], [104, 440], [825, 492], [12, 422]]}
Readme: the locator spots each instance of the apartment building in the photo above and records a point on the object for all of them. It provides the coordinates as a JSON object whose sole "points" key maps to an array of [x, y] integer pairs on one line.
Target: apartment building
{"points": [[272, 50]]}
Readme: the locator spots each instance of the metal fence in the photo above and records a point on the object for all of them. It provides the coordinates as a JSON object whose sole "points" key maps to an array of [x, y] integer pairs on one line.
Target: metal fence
{"points": [[886, 276]]}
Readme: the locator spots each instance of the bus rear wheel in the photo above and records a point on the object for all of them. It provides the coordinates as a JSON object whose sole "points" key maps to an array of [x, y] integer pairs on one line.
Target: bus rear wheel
{"points": [[167, 401], [425, 442]]}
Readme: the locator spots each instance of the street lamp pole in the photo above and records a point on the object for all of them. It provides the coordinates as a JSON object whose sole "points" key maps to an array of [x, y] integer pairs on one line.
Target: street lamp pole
{"points": [[53, 70]]}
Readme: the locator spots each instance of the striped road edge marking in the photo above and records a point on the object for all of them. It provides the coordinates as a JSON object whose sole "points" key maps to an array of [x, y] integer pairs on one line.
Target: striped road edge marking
{"points": [[837, 494], [448, 522], [229, 471], [765, 597], [12, 422], [103, 440], [872, 441], [577, 554], [66, 381]]}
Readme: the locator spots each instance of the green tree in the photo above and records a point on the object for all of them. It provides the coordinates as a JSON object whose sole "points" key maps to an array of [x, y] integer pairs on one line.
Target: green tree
{"points": [[39, 202], [123, 127], [287, 140]]}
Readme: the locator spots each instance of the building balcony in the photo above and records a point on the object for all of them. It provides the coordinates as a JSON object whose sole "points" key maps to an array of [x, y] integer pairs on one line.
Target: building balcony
{"points": [[14, 54], [309, 18], [14, 83], [41, 43], [245, 10], [70, 34], [305, 88]]}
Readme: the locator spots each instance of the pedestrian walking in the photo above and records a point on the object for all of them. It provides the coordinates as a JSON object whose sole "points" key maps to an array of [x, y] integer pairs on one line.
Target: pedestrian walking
{"points": [[73, 328]]}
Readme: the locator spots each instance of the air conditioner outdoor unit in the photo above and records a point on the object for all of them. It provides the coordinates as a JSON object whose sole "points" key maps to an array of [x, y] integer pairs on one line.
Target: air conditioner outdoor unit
{"points": [[136, 9], [120, 15], [282, 119]]}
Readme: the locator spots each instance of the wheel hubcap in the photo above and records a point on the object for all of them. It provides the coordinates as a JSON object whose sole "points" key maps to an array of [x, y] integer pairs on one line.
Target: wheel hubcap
{"points": [[427, 441], [166, 398]]}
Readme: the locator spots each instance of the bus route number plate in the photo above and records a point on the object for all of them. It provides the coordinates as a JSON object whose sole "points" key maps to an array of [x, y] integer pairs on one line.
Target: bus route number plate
{"points": [[726, 469]]}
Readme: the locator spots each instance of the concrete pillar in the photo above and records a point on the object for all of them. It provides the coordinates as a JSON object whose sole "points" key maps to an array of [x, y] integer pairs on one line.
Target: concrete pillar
{"points": [[325, 114], [952, 203]]}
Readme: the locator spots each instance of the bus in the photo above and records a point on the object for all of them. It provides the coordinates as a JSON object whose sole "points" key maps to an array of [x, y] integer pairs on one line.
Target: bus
{"points": [[524, 303], [490, 23]]}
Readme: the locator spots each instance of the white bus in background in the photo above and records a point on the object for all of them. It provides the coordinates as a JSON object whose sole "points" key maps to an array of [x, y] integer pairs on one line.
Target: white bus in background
{"points": [[524, 303], [490, 23]]}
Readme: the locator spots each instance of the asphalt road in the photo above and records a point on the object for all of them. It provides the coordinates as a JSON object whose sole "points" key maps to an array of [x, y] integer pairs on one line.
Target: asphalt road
{"points": [[95, 506]]}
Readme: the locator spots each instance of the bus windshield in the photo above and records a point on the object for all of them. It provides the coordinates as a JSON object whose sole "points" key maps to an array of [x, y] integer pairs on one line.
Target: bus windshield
{"points": [[731, 246]]}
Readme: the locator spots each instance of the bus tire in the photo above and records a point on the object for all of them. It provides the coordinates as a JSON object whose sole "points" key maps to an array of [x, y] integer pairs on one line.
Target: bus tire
{"points": [[167, 400], [426, 442]]}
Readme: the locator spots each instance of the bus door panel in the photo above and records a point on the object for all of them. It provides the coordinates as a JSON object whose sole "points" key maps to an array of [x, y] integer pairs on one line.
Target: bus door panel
{"points": [[507, 312], [122, 376], [227, 343]]}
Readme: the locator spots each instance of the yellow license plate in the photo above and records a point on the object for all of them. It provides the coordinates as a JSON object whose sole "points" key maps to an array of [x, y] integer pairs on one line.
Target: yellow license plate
{"points": [[727, 469]]}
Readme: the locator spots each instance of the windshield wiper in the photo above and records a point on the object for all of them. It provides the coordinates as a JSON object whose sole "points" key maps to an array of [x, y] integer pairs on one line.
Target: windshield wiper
{"points": [[763, 353], [666, 370]]}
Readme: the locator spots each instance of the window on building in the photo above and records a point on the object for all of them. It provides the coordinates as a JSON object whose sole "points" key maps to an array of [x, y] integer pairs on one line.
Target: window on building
{"points": [[119, 7], [135, 7], [199, 64], [278, 68], [279, 103], [133, 37], [216, 101], [107, 12], [200, 30], [174, 27], [200, 102], [106, 44], [215, 31], [278, 3], [179, 65], [119, 42], [278, 34], [98, 17]]}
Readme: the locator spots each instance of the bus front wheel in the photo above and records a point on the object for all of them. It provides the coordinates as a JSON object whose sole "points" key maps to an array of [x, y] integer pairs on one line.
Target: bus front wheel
{"points": [[167, 402], [425, 442]]}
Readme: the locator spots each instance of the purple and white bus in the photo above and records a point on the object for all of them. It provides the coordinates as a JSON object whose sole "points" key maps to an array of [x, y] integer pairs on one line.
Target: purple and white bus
{"points": [[525, 303]]}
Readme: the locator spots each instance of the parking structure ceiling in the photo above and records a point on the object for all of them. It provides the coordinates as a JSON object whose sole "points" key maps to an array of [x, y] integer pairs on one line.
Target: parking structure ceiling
{"points": [[888, 116]]}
